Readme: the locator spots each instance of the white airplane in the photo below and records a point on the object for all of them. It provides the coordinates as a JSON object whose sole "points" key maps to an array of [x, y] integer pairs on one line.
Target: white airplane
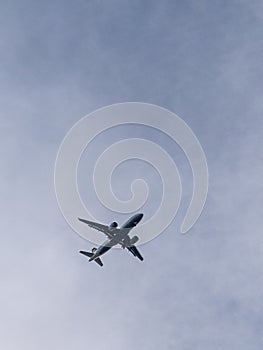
{"points": [[116, 235]]}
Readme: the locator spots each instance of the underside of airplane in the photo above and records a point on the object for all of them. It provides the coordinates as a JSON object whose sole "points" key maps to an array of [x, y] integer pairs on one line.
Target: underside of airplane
{"points": [[115, 235]]}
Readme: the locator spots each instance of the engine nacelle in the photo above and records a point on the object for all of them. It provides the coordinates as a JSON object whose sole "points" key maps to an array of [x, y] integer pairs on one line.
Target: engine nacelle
{"points": [[113, 226], [134, 239]]}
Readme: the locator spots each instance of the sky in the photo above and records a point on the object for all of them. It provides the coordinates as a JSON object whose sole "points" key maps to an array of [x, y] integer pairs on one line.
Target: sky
{"points": [[61, 60]]}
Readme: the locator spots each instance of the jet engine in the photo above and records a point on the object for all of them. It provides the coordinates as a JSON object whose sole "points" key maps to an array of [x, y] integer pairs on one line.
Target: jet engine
{"points": [[134, 239], [113, 226]]}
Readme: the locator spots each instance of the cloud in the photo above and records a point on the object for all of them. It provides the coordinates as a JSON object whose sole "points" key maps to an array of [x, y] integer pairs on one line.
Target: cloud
{"points": [[61, 62]]}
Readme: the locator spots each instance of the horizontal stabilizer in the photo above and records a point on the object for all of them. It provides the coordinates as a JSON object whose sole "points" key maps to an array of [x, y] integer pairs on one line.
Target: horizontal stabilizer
{"points": [[86, 253], [98, 260]]}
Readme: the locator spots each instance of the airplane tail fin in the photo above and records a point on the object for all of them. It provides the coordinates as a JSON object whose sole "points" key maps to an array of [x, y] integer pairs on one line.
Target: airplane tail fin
{"points": [[90, 255]]}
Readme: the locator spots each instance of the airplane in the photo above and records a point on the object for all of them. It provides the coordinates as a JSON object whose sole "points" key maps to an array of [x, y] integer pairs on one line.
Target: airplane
{"points": [[116, 235]]}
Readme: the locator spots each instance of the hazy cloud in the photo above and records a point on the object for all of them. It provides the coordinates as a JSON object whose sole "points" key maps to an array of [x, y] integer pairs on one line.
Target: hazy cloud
{"points": [[61, 60]]}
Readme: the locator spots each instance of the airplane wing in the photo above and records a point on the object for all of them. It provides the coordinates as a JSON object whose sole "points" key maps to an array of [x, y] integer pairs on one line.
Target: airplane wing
{"points": [[99, 227], [135, 252]]}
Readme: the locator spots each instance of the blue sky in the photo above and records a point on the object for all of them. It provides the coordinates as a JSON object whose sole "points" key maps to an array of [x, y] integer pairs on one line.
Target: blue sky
{"points": [[61, 60]]}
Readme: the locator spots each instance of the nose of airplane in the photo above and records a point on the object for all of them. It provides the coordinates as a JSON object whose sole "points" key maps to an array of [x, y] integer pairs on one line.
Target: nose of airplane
{"points": [[139, 216]]}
